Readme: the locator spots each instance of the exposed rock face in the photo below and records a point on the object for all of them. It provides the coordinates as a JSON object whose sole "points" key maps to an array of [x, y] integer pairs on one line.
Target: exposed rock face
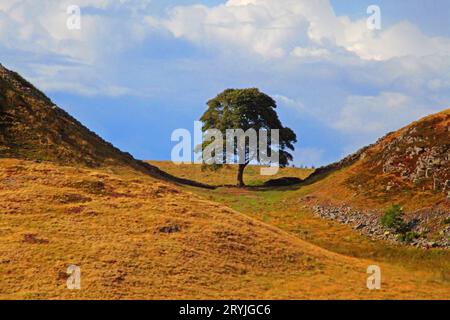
{"points": [[420, 157], [418, 153], [410, 167]]}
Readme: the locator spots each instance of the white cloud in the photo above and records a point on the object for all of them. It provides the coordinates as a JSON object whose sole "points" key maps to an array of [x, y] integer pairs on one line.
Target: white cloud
{"points": [[77, 79], [310, 52], [359, 82], [291, 31], [296, 105], [300, 28], [401, 40], [366, 118], [268, 29], [38, 28]]}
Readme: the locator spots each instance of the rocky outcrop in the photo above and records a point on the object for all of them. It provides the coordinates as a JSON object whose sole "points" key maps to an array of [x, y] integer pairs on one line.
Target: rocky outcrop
{"points": [[419, 158], [418, 154], [410, 166], [368, 223]]}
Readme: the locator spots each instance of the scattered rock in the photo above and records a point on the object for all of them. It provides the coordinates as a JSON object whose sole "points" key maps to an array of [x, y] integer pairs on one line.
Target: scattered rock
{"points": [[368, 223], [170, 229], [71, 198], [32, 238], [74, 210]]}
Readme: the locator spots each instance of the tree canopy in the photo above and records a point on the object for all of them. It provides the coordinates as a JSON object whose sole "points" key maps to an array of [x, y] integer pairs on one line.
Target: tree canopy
{"points": [[249, 111]]}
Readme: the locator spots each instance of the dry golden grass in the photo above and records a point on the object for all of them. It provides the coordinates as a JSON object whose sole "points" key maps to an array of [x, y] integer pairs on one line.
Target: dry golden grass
{"points": [[137, 237], [363, 182], [227, 175], [335, 189], [109, 222], [287, 203]]}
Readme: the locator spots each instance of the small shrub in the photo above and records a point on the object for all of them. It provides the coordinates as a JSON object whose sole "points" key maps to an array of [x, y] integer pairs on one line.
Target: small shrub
{"points": [[408, 236], [447, 220], [411, 235], [393, 219]]}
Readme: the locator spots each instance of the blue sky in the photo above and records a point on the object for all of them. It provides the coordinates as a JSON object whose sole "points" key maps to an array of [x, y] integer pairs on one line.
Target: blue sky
{"points": [[139, 69]]}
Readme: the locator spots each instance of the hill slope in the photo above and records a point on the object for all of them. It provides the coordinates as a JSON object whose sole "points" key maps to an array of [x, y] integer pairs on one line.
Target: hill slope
{"points": [[412, 163], [410, 167], [136, 237], [32, 127]]}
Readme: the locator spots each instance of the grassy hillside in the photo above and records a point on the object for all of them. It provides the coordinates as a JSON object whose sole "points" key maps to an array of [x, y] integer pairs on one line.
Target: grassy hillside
{"points": [[32, 127], [68, 197], [286, 208], [136, 237], [410, 166]]}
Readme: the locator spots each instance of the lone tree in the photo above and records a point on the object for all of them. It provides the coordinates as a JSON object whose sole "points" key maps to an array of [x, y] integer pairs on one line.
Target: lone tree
{"points": [[241, 110]]}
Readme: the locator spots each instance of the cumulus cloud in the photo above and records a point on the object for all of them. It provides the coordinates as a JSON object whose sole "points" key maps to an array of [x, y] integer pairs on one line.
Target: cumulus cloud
{"points": [[343, 77], [400, 40], [271, 29], [310, 52], [300, 28], [364, 119], [378, 114], [39, 29]]}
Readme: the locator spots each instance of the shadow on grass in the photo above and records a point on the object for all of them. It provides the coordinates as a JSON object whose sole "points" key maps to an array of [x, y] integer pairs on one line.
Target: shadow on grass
{"points": [[282, 184]]}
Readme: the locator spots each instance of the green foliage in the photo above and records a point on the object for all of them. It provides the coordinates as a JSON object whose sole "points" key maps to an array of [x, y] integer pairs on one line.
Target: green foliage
{"points": [[447, 220], [408, 236], [411, 235], [246, 109], [393, 219]]}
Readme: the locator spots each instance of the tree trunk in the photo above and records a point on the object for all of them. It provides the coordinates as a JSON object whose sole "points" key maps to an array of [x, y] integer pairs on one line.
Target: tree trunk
{"points": [[240, 177]]}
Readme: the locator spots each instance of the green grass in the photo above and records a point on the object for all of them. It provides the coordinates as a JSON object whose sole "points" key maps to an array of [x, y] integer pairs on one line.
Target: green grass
{"points": [[283, 209], [218, 253]]}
